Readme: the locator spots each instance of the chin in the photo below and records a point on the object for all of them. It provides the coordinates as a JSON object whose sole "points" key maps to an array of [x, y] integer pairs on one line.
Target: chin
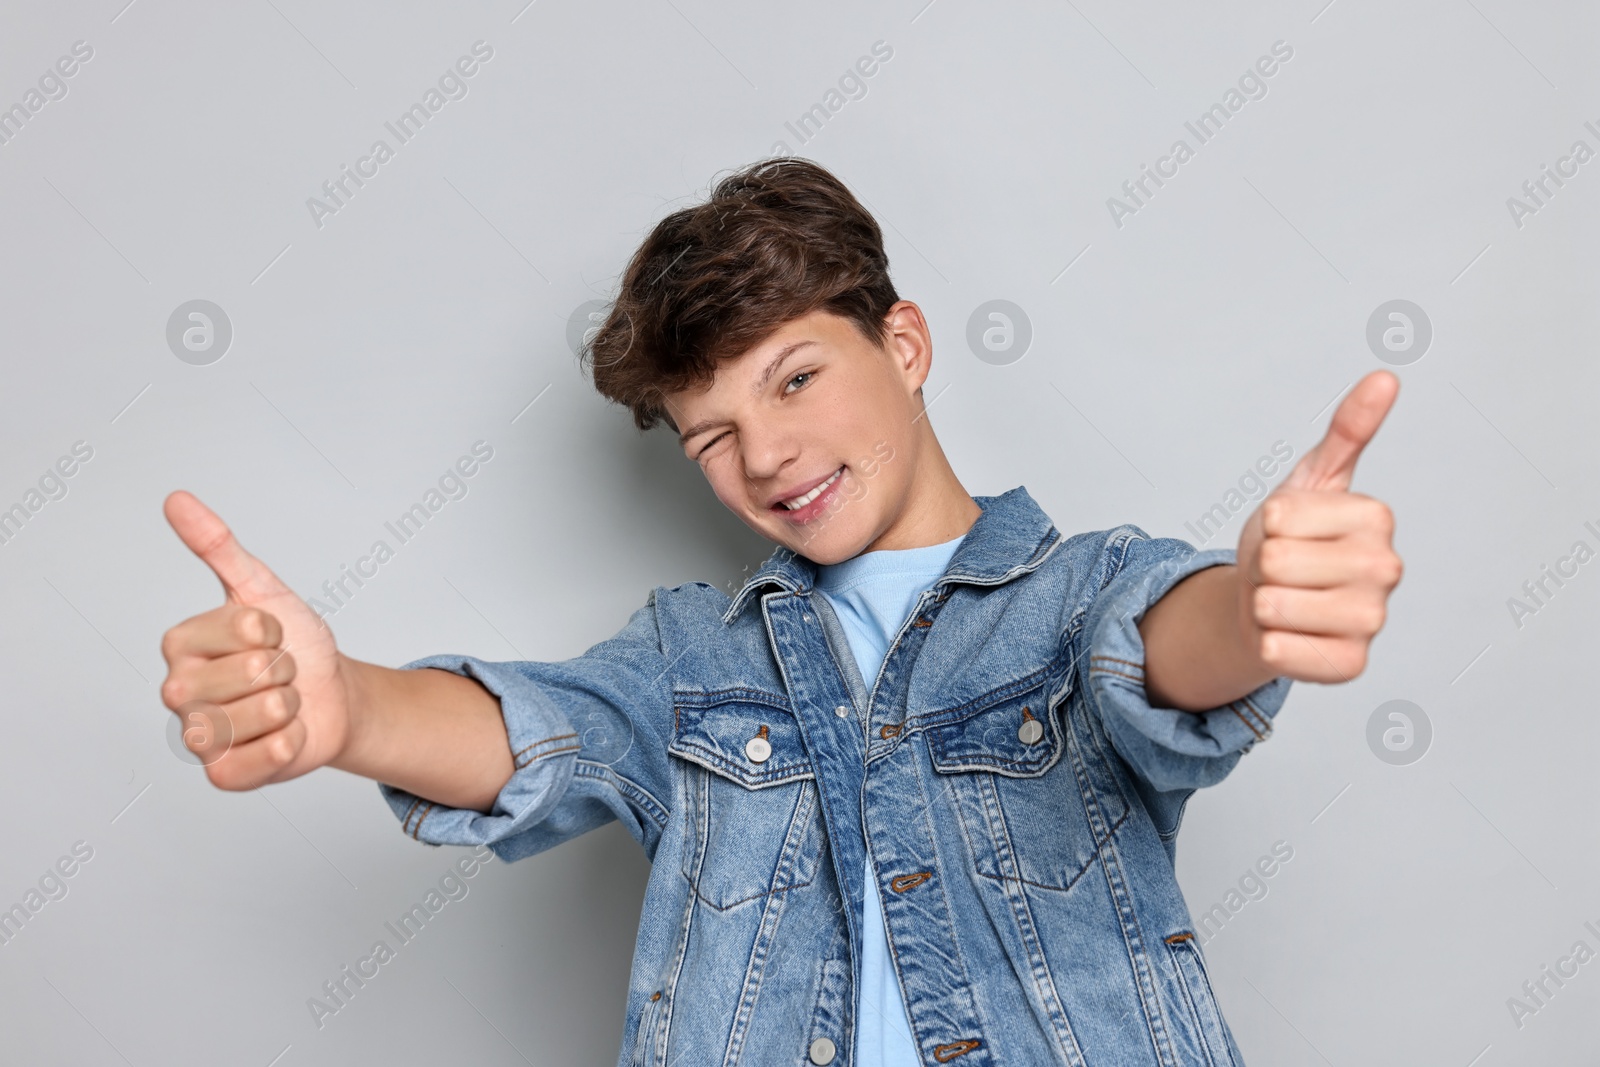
{"points": [[826, 546]]}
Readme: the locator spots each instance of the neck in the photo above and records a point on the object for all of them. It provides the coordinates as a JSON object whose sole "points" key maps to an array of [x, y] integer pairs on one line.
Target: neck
{"points": [[935, 509]]}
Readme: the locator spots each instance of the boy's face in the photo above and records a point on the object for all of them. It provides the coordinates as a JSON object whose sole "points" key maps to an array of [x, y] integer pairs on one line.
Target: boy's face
{"points": [[814, 401]]}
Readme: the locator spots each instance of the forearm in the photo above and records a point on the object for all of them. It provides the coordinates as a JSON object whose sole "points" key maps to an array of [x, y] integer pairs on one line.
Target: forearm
{"points": [[1197, 655], [430, 732]]}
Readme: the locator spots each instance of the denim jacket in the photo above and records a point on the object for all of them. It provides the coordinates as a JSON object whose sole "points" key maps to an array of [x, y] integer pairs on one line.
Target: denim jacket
{"points": [[1017, 794]]}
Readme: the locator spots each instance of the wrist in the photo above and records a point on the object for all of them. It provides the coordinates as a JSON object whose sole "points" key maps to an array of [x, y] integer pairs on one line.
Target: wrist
{"points": [[1249, 631], [358, 710]]}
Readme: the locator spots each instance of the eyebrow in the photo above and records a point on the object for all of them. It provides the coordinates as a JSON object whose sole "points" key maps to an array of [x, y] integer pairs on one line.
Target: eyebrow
{"points": [[784, 353]]}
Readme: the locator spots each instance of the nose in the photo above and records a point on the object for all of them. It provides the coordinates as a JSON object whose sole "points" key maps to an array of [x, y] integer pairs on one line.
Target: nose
{"points": [[766, 448]]}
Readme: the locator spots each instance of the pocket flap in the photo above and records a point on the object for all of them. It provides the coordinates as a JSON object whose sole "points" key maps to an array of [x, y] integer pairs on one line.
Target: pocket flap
{"points": [[1012, 732], [717, 731]]}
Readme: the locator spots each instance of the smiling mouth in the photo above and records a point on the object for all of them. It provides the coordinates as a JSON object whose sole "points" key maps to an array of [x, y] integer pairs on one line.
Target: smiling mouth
{"points": [[796, 503]]}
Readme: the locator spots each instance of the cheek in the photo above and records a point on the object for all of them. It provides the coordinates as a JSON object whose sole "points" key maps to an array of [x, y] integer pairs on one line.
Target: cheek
{"points": [[726, 484]]}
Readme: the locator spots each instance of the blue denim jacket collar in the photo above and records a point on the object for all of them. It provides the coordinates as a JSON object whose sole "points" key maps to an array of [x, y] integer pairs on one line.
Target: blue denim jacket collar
{"points": [[1011, 537]]}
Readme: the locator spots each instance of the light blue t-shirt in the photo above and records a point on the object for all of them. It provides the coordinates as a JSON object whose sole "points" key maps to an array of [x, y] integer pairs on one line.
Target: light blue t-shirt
{"points": [[872, 594]]}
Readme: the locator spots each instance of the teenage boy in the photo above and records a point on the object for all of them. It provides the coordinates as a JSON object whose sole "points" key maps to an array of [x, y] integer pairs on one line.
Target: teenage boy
{"points": [[912, 794]]}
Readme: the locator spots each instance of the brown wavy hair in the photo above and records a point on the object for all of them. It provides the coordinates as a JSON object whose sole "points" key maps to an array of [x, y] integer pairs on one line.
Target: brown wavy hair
{"points": [[776, 240]]}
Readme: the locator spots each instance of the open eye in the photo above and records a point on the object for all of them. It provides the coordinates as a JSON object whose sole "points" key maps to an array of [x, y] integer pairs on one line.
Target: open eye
{"points": [[802, 374]]}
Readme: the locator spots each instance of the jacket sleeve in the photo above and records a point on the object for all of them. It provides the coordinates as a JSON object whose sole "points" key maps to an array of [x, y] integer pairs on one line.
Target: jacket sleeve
{"points": [[1169, 749], [588, 740]]}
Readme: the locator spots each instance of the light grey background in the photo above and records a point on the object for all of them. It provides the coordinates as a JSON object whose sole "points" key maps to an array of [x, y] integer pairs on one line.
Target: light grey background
{"points": [[1168, 354]]}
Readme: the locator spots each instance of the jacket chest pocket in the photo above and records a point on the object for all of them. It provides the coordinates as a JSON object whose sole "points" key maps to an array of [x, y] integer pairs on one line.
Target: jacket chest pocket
{"points": [[751, 799], [1017, 786]]}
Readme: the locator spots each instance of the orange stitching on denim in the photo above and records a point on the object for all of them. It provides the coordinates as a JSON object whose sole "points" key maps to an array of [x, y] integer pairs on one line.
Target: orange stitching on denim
{"points": [[1119, 674], [546, 741], [1266, 723], [1114, 659], [548, 752], [909, 881], [1255, 714], [407, 820], [1175, 938], [425, 813], [946, 1053], [1027, 716], [1234, 707]]}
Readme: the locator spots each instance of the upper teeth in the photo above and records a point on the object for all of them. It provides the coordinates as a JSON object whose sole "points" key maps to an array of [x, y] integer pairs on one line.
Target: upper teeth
{"points": [[805, 498]]}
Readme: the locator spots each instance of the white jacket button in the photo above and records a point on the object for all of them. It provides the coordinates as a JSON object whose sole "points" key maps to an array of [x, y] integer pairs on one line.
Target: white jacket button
{"points": [[822, 1051], [842, 711], [758, 749], [1030, 732]]}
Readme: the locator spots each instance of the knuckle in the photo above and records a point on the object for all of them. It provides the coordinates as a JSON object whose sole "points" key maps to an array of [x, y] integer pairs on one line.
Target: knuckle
{"points": [[1350, 658], [1381, 567], [169, 645], [1261, 605], [285, 703], [174, 692], [222, 776], [1358, 662], [1382, 517], [1269, 651], [275, 707], [256, 663], [248, 627]]}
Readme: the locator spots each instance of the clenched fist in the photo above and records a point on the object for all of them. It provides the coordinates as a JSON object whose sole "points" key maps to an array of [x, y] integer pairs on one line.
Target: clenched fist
{"points": [[1317, 559], [257, 682]]}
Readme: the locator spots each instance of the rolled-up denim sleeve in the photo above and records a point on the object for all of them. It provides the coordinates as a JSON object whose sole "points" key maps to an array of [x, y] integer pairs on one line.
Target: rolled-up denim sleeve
{"points": [[588, 742], [1169, 748]]}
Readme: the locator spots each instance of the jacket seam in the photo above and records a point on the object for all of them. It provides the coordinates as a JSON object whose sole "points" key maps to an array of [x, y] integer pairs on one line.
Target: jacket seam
{"points": [[417, 830], [1110, 833], [627, 788], [526, 748], [1234, 707], [1266, 723]]}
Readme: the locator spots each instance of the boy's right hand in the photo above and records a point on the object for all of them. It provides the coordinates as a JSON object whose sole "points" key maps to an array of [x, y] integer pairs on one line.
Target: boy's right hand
{"points": [[258, 683]]}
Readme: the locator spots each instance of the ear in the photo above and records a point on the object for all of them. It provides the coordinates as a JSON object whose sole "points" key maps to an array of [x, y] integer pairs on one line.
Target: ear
{"points": [[909, 342]]}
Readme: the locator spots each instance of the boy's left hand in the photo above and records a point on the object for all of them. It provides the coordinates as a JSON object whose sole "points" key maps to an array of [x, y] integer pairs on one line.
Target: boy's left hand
{"points": [[1317, 560]]}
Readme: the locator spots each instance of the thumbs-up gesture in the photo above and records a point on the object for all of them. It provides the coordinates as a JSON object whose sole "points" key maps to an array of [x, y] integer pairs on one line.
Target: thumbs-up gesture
{"points": [[257, 682], [1317, 559]]}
